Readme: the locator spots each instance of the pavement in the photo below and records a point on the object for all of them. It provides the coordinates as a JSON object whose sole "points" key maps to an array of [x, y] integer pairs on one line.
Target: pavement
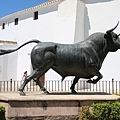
{"points": [[82, 96]]}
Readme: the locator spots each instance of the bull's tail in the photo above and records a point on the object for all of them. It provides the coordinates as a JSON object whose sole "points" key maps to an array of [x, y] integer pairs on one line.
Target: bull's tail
{"points": [[2, 52]]}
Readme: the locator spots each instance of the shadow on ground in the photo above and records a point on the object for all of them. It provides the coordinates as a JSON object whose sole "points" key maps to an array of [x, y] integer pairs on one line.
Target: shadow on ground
{"points": [[79, 93]]}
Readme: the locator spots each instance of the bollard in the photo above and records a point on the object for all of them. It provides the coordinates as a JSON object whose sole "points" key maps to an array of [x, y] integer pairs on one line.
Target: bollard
{"points": [[112, 86], [10, 84]]}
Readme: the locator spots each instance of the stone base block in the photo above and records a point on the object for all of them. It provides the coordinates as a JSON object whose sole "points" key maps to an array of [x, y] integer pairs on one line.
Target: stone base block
{"points": [[55, 106]]}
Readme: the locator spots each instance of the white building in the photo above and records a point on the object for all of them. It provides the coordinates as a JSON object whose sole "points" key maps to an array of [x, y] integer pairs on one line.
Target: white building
{"points": [[61, 21], [8, 63]]}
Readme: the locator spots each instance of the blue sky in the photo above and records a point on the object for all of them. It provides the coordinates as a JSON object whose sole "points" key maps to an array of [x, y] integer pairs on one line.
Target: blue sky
{"points": [[10, 6]]}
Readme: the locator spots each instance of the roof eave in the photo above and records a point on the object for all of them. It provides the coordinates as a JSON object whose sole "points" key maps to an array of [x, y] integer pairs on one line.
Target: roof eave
{"points": [[31, 8]]}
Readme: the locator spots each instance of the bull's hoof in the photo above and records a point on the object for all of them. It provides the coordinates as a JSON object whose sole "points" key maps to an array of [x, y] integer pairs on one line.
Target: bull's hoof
{"points": [[89, 81], [22, 93], [46, 92], [73, 92], [94, 82]]}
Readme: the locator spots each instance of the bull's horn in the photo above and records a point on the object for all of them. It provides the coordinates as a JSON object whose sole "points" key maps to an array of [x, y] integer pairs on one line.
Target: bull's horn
{"points": [[108, 31]]}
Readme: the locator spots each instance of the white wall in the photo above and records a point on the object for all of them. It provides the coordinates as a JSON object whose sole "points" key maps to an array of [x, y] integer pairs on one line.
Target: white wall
{"points": [[8, 64], [79, 34], [69, 22], [55, 24]]}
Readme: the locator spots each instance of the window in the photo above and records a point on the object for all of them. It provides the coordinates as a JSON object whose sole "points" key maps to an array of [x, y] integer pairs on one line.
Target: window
{"points": [[16, 21], [36, 15], [3, 26]]}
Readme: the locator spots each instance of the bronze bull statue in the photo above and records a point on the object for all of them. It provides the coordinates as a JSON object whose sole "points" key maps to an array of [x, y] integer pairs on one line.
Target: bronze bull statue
{"points": [[82, 60]]}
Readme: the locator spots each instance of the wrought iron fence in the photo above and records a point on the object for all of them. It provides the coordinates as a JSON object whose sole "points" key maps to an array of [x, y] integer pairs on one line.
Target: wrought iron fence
{"points": [[108, 86]]}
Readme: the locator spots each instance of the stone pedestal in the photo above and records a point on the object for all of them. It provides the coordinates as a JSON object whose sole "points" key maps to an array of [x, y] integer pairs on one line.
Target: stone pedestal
{"points": [[55, 106]]}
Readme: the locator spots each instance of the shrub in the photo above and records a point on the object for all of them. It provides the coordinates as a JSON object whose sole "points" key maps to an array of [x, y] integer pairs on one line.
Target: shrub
{"points": [[101, 111], [2, 113], [85, 113], [115, 111]]}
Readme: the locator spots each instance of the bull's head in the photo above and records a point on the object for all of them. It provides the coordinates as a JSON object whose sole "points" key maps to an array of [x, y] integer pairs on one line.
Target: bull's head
{"points": [[113, 39]]}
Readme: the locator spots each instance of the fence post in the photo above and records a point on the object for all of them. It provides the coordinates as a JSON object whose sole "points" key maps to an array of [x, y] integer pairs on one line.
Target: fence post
{"points": [[112, 86], [10, 84]]}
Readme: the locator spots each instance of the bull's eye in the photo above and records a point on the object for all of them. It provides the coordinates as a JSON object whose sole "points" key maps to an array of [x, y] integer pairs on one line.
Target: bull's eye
{"points": [[115, 36]]}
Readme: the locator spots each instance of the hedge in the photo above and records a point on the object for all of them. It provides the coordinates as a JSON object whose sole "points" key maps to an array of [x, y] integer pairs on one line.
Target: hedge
{"points": [[2, 113], [101, 111]]}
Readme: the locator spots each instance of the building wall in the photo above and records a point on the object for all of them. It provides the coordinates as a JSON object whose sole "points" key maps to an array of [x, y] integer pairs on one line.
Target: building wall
{"points": [[8, 64], [64, 22], [54, 24]]}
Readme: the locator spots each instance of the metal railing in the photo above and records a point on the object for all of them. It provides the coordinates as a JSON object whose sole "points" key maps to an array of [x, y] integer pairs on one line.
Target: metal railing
{"points": [[107, 86]]}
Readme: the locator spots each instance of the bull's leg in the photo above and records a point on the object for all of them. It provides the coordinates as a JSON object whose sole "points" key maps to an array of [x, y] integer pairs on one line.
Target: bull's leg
{"points": [[25, 82], [34, 75], [44, 66], [40, 67], [40, 85], [22, 87], [73, 85], [95, 72]]}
